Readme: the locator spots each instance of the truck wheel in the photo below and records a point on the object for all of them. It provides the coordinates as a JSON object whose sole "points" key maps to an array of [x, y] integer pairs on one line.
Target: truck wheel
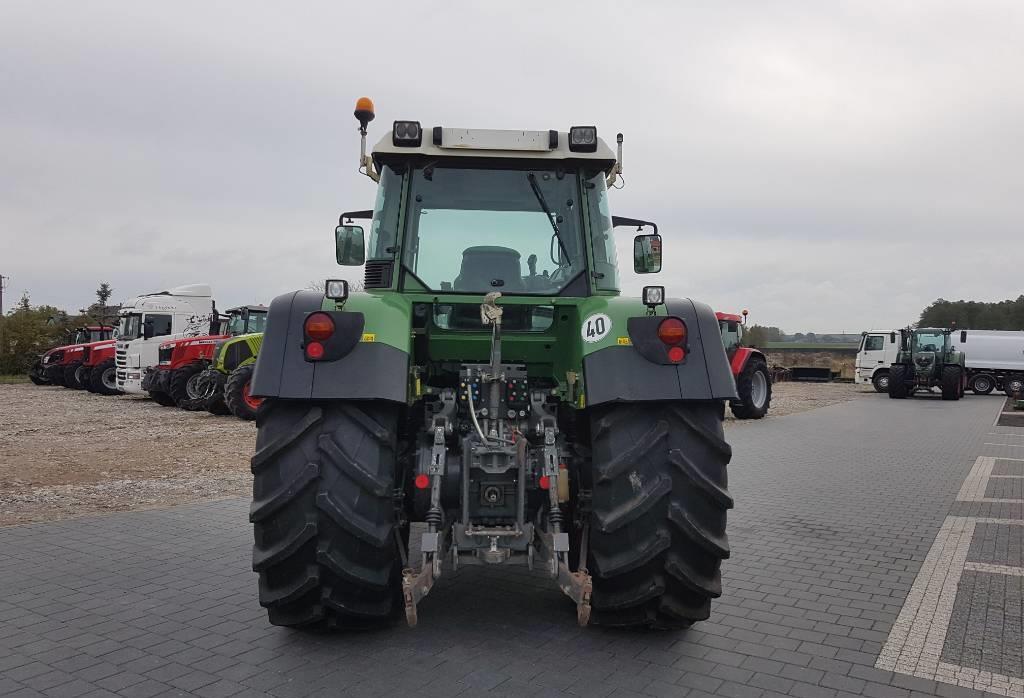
{"points": [[71, 375], [1013, 386], [898, 382], [185, 387], [754, 386], [983, 384], [103, 378], [236, 393], [952, 377], [323, 513], [161, 398], [657, 531], [881, 381], [214, 403]]}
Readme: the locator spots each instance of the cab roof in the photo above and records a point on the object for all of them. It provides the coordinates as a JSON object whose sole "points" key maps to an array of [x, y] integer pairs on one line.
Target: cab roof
{"points": [[250, 308], [729, 317], [441, 142]]}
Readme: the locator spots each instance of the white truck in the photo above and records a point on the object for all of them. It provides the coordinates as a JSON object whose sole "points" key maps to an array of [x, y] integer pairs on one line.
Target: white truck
{"points": [[995, 359], [878, 349], [153, 318]]}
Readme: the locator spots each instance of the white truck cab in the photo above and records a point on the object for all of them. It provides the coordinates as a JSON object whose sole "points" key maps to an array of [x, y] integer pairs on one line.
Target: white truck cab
{"points": [[878, 349], [148, 320]]}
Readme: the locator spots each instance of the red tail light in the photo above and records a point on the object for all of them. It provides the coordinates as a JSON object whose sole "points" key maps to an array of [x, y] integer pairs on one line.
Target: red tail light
{"points": [[672, 331], [422, 481], [319, 326]]}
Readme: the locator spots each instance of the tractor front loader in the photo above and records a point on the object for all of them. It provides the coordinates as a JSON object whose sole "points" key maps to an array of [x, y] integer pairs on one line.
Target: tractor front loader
{"points": [[491, 398]]}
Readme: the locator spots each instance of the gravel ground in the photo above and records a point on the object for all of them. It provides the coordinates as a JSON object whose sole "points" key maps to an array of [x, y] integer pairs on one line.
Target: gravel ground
{"points": [[793, 397], [66, 453]]}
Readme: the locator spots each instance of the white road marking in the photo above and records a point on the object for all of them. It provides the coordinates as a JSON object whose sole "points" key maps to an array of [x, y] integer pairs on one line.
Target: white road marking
{"points": [[973, 489], [995, 569], [915, 643], [1010, 445], [918, 636]]}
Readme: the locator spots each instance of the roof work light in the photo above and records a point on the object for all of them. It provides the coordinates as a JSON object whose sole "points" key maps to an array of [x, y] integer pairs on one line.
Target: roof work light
{"points": [[407, 134], [583, 139]]}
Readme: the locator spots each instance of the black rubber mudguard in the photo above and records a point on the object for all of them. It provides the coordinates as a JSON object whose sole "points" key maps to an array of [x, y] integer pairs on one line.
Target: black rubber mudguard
{"points": [[371, 371], [621, 373]]}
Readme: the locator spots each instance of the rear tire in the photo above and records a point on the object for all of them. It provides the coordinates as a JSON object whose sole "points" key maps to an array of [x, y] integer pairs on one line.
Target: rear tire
{"points": [[881, 381], [103, 379], [236, 393], [71, 375], [161, 398], [952, 379], [754, 387], [82, 376], [657, 531], [323, 513], [214, 403], [983, 384], [184, 389], [898, 382]]}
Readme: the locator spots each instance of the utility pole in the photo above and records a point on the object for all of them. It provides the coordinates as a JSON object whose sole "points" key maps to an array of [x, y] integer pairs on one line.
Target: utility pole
{"points": [[2, 279]]}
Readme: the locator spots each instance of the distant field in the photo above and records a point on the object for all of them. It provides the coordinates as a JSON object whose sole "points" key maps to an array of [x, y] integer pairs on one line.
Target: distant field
{"points": [[814, 346], [13, 379]]}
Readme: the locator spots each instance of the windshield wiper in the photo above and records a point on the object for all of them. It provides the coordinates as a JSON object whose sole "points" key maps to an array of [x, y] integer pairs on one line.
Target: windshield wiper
{"points": [[547, 211]]}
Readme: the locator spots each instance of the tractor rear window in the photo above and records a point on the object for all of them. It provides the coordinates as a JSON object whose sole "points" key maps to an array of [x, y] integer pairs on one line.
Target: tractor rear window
{"points": [[480, 230], [515, 318]]}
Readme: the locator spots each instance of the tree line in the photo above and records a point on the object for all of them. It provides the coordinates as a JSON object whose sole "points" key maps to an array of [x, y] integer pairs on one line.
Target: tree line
{"points": [[26, 331], [975, 315]]}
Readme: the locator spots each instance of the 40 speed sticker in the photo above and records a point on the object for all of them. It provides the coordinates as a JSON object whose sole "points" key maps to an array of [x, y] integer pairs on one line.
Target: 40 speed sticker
{"points": [[595, 328]]}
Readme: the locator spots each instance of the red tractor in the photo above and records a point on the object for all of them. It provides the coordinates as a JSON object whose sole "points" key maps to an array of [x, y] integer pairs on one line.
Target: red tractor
{"points": [[749, 368], [59, 366], [98, 373], [178, 378]]}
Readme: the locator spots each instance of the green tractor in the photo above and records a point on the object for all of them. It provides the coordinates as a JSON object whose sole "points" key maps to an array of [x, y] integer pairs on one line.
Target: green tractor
{"points": [[926, 359], [225, 383], [490, 398]]}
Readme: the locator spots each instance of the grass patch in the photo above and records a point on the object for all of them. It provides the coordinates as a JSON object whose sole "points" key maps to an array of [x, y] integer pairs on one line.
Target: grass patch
{"points": [[13, 379]]}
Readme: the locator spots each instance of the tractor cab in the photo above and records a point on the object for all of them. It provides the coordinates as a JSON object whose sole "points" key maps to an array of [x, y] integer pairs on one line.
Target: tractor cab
{"points": [[92, 333], [246, 319], [731, 326]]}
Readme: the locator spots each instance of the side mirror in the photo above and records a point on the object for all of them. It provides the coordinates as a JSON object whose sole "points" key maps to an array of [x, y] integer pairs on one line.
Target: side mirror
{"points": [[349, 245], [892, 338], [147, 330], [647, 254], [963, 336]]}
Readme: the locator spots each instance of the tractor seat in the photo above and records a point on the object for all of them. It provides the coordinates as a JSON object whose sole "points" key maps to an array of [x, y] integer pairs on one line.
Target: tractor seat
{"points": [[487, 268]]}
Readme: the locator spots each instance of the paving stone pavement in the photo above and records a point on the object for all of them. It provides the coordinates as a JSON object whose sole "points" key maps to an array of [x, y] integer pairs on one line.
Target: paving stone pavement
{"points": [[836, 510]]}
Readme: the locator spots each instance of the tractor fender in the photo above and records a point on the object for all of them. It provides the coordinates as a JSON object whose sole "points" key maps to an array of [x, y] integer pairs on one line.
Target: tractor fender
{"points": [[622, 374], [741, 356], [371, 371]]}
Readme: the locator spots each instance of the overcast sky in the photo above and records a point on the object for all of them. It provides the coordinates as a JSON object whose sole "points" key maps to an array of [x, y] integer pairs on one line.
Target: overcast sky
{"points": [[828, 165]]}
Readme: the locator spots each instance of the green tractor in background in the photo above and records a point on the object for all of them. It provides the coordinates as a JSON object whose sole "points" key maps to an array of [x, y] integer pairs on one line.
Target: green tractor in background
{"points": [[226, 383], [490, 398], [926, 359]]}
